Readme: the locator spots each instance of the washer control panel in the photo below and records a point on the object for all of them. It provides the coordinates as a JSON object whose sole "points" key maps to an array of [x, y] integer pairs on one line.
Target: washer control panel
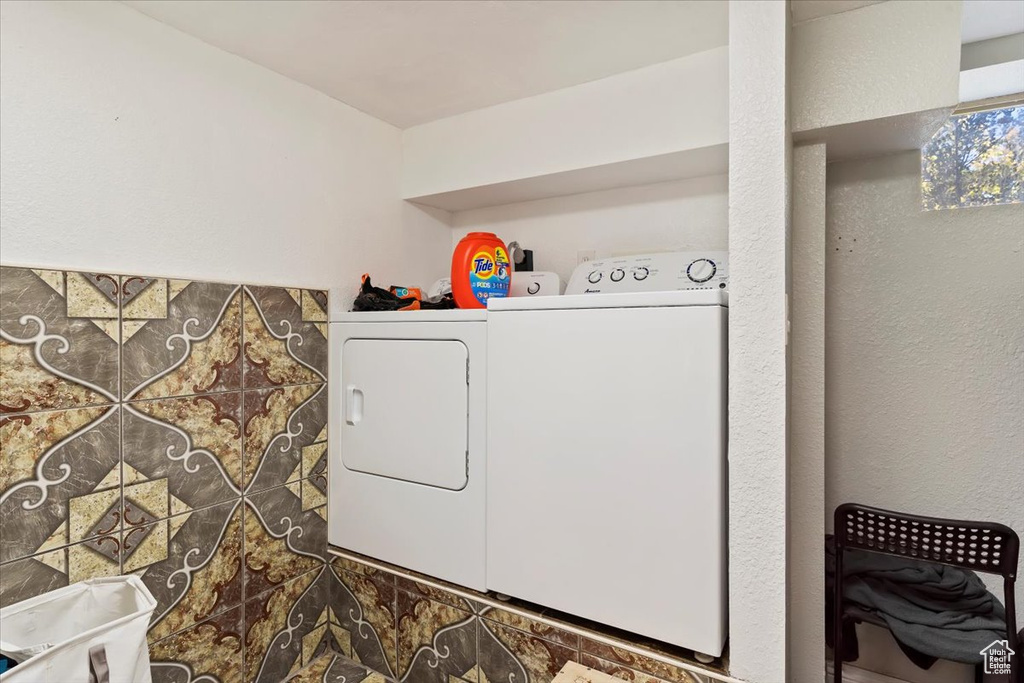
{"points": [[665, 272], [536, 283]]}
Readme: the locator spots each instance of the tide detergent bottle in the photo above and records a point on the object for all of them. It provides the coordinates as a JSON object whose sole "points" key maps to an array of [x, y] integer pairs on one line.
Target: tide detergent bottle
{"points": [[480, 270]]}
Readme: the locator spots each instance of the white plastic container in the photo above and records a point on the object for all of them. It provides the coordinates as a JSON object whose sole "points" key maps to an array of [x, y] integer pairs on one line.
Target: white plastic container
{"points": [[90, 632]]}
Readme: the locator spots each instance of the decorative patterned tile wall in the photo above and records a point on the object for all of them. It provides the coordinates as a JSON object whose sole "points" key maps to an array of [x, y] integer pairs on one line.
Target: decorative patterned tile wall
{"points": [[176, 430]]}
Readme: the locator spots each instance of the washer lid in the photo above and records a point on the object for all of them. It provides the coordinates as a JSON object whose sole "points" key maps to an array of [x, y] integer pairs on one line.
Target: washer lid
{"points": [[689, 297]]}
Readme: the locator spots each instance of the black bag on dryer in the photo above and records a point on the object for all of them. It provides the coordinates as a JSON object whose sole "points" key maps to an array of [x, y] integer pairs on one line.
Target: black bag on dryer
{"points": [[372, 298]]}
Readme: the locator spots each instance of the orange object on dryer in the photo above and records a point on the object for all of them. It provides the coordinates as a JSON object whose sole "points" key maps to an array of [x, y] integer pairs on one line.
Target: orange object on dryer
{"points": [[480, 270]]}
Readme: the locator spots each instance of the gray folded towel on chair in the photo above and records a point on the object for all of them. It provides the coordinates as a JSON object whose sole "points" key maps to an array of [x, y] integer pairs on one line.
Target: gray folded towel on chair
{"points": [[940, 611]]}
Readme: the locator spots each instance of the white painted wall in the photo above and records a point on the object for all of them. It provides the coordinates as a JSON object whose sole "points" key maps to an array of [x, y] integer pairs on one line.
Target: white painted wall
{"points": [[875, 62], [994, 80], [676, 105], [131, 147], [924, 359], [759, 156], [674, 216], [992, 51]]}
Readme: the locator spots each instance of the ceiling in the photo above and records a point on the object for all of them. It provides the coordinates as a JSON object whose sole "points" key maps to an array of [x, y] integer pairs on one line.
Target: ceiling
{"points": [[984, 19], [412, 62], [805, 10]]}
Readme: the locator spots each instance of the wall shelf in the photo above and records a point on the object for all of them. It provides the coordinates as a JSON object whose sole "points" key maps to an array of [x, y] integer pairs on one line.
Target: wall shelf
{"points": [[691, 163]]}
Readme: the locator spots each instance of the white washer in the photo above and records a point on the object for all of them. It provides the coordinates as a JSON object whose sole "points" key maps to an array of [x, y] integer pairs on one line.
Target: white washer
{"points": [[407, 438], [607, 455]]}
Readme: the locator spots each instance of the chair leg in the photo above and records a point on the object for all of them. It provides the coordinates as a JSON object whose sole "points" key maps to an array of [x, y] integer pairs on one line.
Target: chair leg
{"points": [[837, 619], [1016, 674], [837, 653]]}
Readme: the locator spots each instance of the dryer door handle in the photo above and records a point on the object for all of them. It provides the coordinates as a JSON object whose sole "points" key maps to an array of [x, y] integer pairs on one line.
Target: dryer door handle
{"points": [[353, 404]]}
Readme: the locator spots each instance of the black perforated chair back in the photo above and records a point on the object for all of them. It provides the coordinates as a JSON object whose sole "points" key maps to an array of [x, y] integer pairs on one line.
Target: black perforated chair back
{"points": [[985, 547], [982, 546]]}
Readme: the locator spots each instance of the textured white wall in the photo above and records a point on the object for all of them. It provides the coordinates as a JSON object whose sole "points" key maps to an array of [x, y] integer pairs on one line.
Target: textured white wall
{"points": [[129, 146], [758, 221], [681, 215], [874, 62], [924, 353], [806, 480]]}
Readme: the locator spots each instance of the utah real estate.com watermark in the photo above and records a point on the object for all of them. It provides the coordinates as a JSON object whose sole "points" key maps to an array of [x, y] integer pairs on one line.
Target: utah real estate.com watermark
{"points": [[997, 656]]}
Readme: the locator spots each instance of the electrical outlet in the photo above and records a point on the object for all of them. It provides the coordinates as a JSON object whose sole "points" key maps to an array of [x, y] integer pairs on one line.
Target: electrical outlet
{"points": [[584, 255]]}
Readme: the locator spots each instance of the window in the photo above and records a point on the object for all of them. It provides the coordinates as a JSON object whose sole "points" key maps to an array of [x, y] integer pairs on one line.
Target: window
{"points": [[975, 159]]}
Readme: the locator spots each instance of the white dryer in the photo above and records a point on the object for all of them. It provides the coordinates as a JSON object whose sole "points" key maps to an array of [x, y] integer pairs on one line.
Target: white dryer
{"points": [[407, 438], [607, 448]]}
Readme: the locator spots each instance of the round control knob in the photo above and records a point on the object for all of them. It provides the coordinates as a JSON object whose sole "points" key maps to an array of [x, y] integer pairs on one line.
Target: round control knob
{"points": [[533, 288], [641, 273], [701, 270], [594, 277], [618, 274]]}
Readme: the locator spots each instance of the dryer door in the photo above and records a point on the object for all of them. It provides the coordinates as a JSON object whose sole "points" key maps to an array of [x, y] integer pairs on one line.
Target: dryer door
{"points": [[404, 410]]}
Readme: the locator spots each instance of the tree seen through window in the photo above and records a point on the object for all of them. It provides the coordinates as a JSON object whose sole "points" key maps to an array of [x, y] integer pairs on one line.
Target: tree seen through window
{"points": [[975, 159]]}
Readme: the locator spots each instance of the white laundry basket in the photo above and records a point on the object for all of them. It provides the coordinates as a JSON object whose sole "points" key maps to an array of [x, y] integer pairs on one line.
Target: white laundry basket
{"points": [[90, 632]]}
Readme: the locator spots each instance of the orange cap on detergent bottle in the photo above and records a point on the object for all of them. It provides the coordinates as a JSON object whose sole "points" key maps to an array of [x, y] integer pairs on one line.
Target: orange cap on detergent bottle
{"points": [[480, 270]]}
